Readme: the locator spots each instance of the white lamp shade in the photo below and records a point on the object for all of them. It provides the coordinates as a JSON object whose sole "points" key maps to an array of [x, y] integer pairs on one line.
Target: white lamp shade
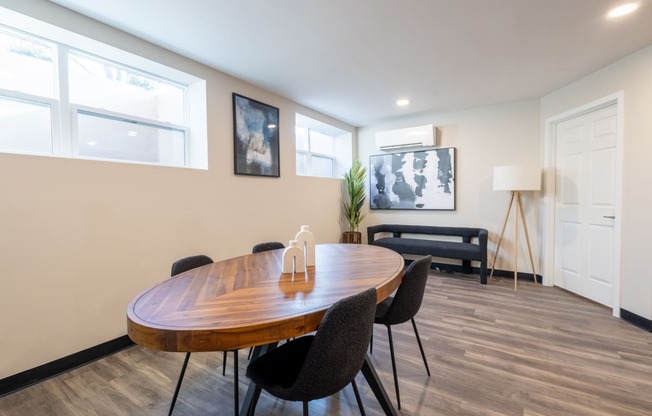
{"points": [[517, 178]]}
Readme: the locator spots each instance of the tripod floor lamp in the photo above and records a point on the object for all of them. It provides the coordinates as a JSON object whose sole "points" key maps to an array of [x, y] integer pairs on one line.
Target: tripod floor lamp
{"points": [[516, 179]]}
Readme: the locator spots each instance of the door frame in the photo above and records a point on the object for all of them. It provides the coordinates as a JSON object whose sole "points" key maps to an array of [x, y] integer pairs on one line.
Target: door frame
{"points": [[549, 200]]}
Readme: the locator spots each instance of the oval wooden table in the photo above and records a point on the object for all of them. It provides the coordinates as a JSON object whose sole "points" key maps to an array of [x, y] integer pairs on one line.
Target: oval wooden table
{"points": [[247, 301]]}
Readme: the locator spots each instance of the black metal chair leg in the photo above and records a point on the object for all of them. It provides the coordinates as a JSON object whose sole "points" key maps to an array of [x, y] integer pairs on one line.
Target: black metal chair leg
{"points": [[176, 390], [254, 401], [251, 350], [371, 343], [423, 355], [236, 385], [305, 409], [224, 364], [357, 397], [391, 350]]}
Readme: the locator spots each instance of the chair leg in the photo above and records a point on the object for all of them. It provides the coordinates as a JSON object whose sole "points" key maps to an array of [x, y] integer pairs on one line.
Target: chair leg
{"points": [[176, 390], [236, 385], [251, 350], [305, 409], [423, 355], [357, 397], [254, 401], [391, 350], [371, 343], [224, 364]]}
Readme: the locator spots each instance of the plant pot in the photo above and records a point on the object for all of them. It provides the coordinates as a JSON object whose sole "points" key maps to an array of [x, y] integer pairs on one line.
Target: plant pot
{"points": [[352, 237]]}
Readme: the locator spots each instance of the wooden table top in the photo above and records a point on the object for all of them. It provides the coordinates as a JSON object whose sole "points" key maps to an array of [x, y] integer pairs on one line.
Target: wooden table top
{"points": [[247, 301]]}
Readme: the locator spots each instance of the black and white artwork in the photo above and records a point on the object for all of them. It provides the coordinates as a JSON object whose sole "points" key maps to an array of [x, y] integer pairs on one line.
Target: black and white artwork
{"points": [[256, 143], [413, 180]]}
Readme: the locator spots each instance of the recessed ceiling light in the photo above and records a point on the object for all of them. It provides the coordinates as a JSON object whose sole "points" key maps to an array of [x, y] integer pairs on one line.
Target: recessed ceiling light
{"points": [[91, 143], [402, 102], [622, 10], [132, 133]]}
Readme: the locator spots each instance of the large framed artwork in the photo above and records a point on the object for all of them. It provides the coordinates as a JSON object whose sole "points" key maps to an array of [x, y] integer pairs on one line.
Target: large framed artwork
{"points": [[255, 138], [413, 180]]}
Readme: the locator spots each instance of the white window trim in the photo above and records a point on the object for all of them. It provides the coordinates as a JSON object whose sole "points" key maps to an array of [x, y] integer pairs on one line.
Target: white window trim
{"points": [[76, 109], [309, 154], [55, 118], [62, 112]]}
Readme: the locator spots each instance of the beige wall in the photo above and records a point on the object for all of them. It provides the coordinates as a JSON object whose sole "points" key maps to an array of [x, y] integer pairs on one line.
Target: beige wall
{"points": [[79, 239], [633, 76], [483, 138]]}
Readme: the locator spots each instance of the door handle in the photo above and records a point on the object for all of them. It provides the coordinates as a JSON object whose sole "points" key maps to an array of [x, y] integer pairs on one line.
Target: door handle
{"points": [[613, 217]]}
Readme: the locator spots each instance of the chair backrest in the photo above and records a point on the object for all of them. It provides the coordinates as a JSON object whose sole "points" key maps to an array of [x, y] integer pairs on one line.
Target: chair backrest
{"points": [[339, 347], [270, 245], [409, 295], [189, 263]]}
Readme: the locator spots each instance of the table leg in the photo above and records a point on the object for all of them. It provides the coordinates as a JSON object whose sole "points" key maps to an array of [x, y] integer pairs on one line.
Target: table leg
{"points": [[370, 375], [249, 399]]}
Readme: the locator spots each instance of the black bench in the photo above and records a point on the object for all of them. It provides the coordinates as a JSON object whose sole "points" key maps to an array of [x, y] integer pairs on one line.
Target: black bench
{"points": [[466, 250]]}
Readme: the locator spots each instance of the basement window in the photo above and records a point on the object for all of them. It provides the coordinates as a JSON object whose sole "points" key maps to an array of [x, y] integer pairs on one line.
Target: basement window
{"points": [[322, 150], [65, 95]]}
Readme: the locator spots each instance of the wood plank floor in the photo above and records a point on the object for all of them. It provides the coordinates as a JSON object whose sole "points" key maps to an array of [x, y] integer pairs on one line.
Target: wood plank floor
{"points": [[492, 351]]}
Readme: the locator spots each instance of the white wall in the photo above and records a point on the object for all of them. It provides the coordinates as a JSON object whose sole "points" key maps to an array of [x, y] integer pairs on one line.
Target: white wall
{"points": [[79, 239], [633, 76], [483, 138], [514, 134]]}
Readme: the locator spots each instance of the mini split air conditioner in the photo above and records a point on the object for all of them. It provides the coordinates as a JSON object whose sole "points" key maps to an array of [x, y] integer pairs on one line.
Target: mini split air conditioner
{"points": [[422, 136]]}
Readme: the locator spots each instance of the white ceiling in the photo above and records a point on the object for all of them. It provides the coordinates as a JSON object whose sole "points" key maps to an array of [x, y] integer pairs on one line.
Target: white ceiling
{"points": [[352, 59]]}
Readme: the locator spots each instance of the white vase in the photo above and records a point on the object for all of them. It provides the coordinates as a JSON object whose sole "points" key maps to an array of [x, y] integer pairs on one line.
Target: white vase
{"points": [[294, 259], [306, 240]]}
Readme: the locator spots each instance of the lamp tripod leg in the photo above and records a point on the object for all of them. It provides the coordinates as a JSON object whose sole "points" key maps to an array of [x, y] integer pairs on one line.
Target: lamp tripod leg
{"points": [[527, 239], [502, 233], [517, 195]]}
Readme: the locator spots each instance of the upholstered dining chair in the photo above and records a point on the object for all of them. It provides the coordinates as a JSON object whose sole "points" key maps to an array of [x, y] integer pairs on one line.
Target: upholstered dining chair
{"points": [[269, 245], [316, 366], [402, 307], [178, 267], [259, 248]]}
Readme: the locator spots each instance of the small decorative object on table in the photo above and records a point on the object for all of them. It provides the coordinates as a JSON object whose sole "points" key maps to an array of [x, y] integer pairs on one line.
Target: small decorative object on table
{"points": [[306, 240], [294, 259]]}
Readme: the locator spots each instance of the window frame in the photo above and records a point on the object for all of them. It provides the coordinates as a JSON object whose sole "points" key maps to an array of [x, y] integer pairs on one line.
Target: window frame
{"points": [[77, 109], [309, 155], [64, 115], [341, 142]]}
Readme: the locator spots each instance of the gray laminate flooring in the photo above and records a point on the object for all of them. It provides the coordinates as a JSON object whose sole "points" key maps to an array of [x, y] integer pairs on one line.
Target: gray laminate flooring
{"points": [[492, 351]]}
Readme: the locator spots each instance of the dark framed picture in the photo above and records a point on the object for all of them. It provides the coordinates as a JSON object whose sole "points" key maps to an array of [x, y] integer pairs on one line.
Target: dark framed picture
{"points": [[422, 180], [255, 138]]}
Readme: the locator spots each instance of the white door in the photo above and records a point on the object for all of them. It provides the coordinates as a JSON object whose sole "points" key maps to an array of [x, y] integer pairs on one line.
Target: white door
{"points": [[585, 204]]}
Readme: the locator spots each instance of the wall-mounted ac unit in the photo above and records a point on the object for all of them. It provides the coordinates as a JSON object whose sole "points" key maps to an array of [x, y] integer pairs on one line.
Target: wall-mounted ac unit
{"points": [[422, 136]]}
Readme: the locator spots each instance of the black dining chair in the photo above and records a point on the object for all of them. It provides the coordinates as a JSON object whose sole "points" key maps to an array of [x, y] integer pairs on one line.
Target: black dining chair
{"points": [[316, 366], [402, 307], [259, 248], [178, 267], [269, 245]]}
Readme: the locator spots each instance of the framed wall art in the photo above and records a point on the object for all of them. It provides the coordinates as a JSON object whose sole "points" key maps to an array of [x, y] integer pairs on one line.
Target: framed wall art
{"points": [[255, 138], [421, 180]]}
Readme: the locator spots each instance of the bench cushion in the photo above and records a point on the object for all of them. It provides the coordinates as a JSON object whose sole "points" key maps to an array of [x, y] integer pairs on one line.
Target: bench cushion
{"points": [[450, 249]]}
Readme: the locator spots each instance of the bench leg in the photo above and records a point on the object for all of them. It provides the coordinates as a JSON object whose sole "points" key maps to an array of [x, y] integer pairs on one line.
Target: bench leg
{"points": [[466, 266], [483, 272]]}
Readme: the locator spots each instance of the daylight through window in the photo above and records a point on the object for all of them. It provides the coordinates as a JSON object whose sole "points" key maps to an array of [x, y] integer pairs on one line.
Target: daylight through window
{"points": [[321, 149], [60, 100]]}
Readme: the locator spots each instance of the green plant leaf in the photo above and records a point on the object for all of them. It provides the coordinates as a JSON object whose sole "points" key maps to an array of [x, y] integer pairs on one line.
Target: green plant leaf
{"points": [[355, 182]]}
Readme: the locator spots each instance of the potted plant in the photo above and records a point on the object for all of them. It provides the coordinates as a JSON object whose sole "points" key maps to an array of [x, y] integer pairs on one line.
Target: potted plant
{"points": [[354, 182]]}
